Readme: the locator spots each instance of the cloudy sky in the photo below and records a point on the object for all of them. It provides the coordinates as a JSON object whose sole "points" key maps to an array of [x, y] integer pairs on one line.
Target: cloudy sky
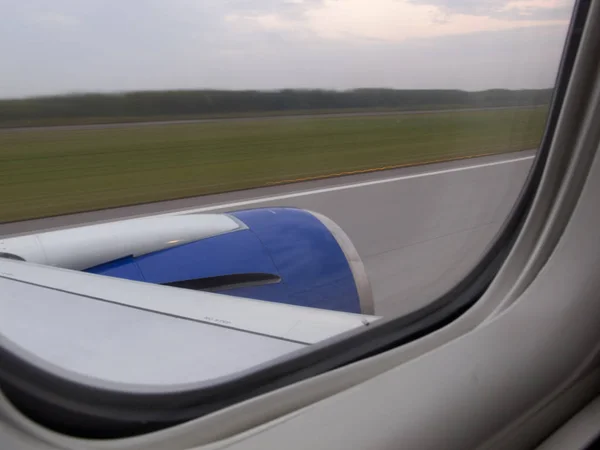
{"points": [[57, 46]]}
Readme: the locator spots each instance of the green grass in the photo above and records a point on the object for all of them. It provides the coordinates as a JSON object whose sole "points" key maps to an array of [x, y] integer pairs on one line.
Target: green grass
{"points": [[53, 172]]}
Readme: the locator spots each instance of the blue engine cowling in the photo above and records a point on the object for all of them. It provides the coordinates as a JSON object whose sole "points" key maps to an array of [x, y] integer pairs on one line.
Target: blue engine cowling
{"points": [[283, 255]]}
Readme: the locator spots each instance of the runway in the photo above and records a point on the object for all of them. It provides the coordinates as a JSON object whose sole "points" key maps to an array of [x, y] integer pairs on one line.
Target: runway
{"points": [[418, 229]]}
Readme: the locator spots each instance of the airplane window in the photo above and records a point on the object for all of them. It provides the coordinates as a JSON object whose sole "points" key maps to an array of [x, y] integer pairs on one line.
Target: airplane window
{"points": [[193, 190]]}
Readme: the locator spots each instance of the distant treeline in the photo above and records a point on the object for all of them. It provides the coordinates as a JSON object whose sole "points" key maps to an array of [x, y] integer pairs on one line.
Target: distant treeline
{"points": [[222, 102]]}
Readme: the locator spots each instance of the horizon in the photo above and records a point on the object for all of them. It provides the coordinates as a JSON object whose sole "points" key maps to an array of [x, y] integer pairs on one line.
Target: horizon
{"points": [[118, 93]]}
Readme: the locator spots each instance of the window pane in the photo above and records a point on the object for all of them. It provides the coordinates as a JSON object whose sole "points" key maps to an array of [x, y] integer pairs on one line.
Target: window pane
{"points": [[338, 162]]}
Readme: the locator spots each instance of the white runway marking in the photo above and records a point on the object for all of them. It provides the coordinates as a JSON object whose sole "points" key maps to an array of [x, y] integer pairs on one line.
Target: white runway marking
{"points": [[347, 186], [259, 200]]}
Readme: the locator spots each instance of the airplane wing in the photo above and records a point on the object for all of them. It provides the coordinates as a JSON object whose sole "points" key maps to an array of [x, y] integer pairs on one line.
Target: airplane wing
{"points": [[178, 299]]}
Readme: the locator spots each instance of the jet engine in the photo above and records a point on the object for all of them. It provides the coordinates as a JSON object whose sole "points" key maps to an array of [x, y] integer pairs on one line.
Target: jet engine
{"points": [[283, 255]]}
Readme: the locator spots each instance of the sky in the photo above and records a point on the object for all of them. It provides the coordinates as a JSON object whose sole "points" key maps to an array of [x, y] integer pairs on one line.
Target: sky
{"points": [[65, 46]]}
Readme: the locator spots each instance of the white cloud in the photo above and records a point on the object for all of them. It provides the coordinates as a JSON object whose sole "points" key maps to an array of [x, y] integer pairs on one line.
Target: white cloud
{"points": [[274, 22], [267, 22], [395, 20], [528, 7]]}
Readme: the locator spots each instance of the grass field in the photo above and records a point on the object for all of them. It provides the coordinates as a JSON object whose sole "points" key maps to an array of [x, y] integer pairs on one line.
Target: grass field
{"points": [[52, 172]]}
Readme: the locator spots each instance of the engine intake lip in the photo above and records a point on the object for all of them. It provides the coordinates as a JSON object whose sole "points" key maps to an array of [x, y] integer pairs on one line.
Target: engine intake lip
{"points": [[361, 279]]}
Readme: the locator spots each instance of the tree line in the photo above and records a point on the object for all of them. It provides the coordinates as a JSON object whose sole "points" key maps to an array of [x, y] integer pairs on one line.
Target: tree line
{"points": [[226, 102]]}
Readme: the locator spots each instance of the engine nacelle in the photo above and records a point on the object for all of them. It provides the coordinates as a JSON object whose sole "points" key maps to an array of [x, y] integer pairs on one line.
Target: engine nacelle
{"points": [[283, 255]]}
